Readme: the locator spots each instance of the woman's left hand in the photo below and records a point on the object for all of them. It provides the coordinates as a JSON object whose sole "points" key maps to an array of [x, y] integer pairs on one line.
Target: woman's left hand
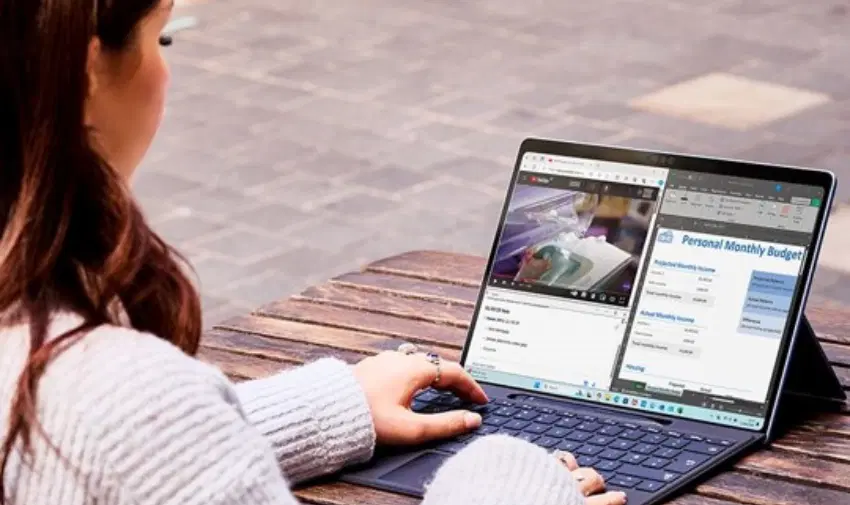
{"points": [[391, 379]]}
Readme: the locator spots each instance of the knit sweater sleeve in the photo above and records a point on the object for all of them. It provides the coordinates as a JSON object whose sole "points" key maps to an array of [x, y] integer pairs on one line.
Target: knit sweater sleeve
{"points": [[503, 470], [171, 430], [316, 418]]}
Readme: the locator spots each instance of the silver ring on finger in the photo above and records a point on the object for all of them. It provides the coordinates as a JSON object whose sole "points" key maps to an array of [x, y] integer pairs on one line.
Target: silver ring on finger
{"points": [[407, 348]]}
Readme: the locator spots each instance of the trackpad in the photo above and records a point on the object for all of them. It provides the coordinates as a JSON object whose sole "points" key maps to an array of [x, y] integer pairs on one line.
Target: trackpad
{"points": [[417, 472]]}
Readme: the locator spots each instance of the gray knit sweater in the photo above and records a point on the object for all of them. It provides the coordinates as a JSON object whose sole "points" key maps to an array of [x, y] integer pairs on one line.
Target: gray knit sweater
{"points": [[141, 423]]}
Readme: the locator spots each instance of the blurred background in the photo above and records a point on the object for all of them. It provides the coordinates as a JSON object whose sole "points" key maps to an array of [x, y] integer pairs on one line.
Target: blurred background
{"points": [[305, 137]]}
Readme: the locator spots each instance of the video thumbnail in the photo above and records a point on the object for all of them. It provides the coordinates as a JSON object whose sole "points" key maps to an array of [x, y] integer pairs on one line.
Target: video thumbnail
{"points": [[573, 240]]}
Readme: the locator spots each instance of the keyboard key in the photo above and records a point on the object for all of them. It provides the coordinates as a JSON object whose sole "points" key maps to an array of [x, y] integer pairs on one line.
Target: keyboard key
{"points": [[656, 462], [675, 443], [612, 454], [694, 438], [528, 437], [606, 475], [495, 420], [568, 423], [650, 486], [516, 424], [588, 426], [486, 430], [666, 452], [588, 418], [674, 434], [466, 436], [558, 432], [546, 442], [510, 433], [623, 481], [417, 406], [452, 447], [609, 422], [647, 473], [546, 419], [506, 411], [703, 448], [427, 396], [537, 429], [546, 410], [623, 445], [611, 431], [717, 441], [686, 461], [590, 450], [568, 445], [579, 436], [631, 426], [587, 460], [631, 435], [644, 448], [484, 409], [633, 458], [450, 401], [601, 440], [654, 439], [607, 465], [504, 403], [528, 406], [435, 409], [526, 415], [651, 429]]}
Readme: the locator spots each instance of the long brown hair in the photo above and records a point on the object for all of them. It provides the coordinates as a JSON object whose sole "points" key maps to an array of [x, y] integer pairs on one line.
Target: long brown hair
{"points": [[71, 236]]}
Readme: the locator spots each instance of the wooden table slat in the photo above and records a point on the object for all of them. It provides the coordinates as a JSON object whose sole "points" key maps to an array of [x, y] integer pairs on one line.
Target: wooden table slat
{"points": [[366, 321], [240, 367], [798, 467], [445, 313], [409, 287], [325, 338], [427, 297], [816, 444], [758, 490], [283, 350], [438, 266]]}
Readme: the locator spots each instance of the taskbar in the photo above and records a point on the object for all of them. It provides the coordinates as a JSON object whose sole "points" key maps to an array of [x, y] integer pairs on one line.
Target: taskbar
{"points": [[713, 402], [606, 397]]}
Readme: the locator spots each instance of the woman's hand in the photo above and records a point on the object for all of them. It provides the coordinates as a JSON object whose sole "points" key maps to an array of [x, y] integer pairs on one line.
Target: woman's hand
{"points": [[590, 482], [391, 379]]}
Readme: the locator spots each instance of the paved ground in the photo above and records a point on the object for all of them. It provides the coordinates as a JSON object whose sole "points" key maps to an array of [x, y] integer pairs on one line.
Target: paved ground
{"points": [[304, 137]]}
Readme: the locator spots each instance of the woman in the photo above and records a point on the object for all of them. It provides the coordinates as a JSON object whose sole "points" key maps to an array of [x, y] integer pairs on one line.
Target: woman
{"points": [[100, 398]]}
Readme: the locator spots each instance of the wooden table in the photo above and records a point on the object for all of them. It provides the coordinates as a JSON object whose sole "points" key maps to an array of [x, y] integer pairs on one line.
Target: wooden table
{"points": [[428, 297]]}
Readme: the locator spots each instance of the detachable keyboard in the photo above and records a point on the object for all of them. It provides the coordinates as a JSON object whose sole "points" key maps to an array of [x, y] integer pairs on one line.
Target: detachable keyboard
{"points": [[629, 456]]}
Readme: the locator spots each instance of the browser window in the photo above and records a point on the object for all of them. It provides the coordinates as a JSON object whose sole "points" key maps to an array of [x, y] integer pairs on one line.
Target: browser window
{"points": [[646, 287]]}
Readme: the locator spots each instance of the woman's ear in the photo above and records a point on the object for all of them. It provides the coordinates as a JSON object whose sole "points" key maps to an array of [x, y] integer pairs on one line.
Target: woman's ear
{"points": [[94, 71]]}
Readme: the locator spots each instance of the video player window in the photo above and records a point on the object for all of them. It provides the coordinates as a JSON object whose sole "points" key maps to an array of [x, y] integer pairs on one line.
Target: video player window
{"points": [[587, 240]]}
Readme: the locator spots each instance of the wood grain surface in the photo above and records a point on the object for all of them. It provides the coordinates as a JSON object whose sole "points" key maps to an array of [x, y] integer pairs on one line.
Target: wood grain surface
{"points": [[428, 297]]}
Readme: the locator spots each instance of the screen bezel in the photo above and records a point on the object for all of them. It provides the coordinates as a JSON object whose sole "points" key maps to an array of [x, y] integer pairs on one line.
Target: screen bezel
{"points": [[675, 161]]}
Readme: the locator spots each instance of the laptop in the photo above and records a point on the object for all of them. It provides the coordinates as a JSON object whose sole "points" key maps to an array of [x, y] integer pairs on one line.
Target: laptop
{"points": [[638, 310]]}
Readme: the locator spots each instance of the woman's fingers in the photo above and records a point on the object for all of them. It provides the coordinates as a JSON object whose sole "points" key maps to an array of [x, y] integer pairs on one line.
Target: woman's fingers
{"points": [[610, 498], [566, 459], [589, 481], [419, 428], [452, 377]]}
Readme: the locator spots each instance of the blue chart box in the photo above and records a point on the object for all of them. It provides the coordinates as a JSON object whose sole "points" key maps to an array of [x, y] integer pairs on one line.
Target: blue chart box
{"points": [[767, 303]]}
